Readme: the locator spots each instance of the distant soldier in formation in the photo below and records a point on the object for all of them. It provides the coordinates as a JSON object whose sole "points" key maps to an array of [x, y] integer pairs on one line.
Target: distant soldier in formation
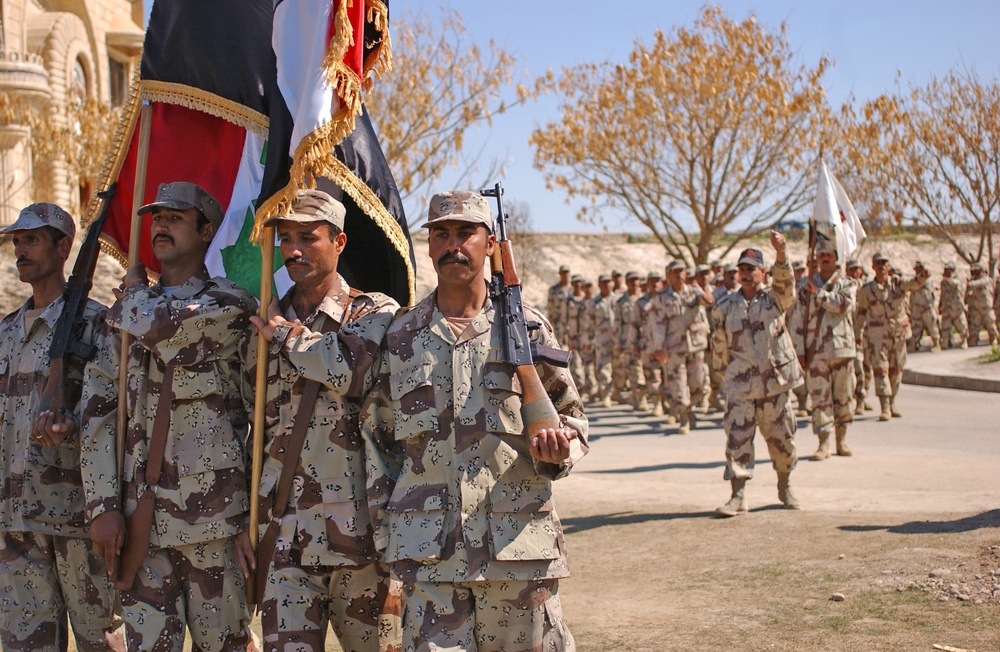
{"points": [[979, 299], [823, 331], [587, 342], [680, 339], [753, 346], [652, 370], [862, 370], [728, 284], [951, 307], [555, 305], [574, 314], [628, 369], [923, 311], [617, 285], [602, 328]]}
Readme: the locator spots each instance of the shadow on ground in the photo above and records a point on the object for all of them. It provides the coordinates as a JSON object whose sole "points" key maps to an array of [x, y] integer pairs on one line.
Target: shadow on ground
{"points": [[661, 467], [584, 523], [969, 523]]}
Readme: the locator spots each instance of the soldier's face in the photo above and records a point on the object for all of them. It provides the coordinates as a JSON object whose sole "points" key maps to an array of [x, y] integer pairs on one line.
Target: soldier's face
{"points": [[605, 288], [729, 280], [36, 256], [751, 277], [310, 250], [676, 278], [564, 277], [827, 262], [177, 236], [947, 272], [881, 268], [459, 250], [855, 272], [633, 285]]}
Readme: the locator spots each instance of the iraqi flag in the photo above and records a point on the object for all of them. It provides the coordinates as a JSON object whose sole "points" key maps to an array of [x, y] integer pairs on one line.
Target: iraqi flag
{"points": [[833, 211], [211, 81]]}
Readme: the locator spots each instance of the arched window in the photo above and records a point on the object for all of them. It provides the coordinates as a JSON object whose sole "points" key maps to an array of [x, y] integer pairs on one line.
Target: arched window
{"points": [[78, 84]]}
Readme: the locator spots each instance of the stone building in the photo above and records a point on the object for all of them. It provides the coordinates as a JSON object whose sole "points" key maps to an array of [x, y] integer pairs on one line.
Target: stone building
{"points": [[54, 53]]}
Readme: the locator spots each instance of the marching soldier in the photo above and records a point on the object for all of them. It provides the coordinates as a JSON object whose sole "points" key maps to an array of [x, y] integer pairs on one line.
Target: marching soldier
{"points": [[801, 391], [49, 567], [316, 556], [951, 307], [979, 299], [923, 312], [575, 313], [587, 342], [602, 325], [555, 305], [753, 347], [185, 487], [862, 370], [628, 368], [652, 370]]}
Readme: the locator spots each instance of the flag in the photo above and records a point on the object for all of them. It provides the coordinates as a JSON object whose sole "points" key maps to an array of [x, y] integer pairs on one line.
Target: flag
{"points": [[834, 212], [212, 82]]}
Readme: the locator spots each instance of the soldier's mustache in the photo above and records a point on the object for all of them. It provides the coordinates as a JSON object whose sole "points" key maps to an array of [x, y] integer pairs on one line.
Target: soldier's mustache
{"points": [[453, 257], [163, 236], [296, 260]]}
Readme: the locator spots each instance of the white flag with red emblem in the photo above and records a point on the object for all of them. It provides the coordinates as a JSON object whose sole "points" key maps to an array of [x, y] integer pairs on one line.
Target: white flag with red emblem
{"points": [[835, 209]]}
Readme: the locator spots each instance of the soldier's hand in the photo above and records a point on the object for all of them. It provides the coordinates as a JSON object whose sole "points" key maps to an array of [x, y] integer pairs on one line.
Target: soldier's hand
{"points": [[274, 319], [107, 531], [777, 240], [48, 430], [552, 444], [809, 286], [135, 277], [245, 554]]}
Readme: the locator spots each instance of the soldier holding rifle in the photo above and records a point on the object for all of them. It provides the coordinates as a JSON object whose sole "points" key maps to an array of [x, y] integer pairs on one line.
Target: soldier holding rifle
{"points": [[463, 446]]}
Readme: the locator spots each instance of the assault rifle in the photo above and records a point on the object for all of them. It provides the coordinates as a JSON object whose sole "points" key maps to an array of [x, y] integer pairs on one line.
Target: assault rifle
{"points": [[67, 347]]}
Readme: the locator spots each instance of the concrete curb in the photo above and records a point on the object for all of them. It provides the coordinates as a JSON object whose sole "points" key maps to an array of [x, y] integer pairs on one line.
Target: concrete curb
{"points": [[947, 381]]}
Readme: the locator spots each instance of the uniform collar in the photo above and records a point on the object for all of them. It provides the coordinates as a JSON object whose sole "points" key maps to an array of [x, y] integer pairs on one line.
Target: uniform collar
{"points": [[190, 288]]}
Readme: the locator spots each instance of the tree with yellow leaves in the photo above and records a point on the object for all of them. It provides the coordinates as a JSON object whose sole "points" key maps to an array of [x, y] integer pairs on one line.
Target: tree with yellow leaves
{"points": [[703, 129], [933, 155], [440, 85]]}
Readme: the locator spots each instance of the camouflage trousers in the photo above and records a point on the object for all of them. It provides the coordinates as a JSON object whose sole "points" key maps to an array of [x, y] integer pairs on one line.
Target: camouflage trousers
{"points": [[622, 373], [887, 356], [831, 390], [802, 396], [360, 603], [773, 415], [44, 579], [199, 587], [684, 377], [631, 369], [590, 373], [652, 374], [956, 321], [921, 321], [604, 371], [862, 375], [980, 319], [489, 616]]}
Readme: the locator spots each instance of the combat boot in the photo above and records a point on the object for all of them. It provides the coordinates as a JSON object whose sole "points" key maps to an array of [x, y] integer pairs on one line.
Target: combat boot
{"points": [[669, 419], [738, 503], [893, 410], [886, 413], [936, 346], [606, 401], [842, 448], [684, 418], [823, 451], [640, 404], [657, 407], [785, 494], [868, 406], [859, 408]]}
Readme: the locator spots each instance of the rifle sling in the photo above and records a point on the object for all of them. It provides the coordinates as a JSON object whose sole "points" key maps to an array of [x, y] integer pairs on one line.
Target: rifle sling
{"points": [[283, 488], [139, 522]]}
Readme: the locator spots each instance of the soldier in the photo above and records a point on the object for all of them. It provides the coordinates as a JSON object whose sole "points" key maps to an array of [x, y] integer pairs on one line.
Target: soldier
{"points": [[555, 306], [680, 337], [862, 370], [801, 391], [461, 499], [923, 312], [617, 285], [587, 342], [951, 307], [187, 557], [823, 332], [628, 370], [573, 313], [602, 325], [652, 370], [728, 284], [49, 568], [316, 544], [753, 347], [881, 304], [979, 299]]}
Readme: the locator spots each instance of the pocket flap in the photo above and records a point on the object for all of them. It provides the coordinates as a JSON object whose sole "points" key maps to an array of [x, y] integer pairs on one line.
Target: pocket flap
{"points": [[412, 377], [418, 498], [190, 383], [213, 457]]}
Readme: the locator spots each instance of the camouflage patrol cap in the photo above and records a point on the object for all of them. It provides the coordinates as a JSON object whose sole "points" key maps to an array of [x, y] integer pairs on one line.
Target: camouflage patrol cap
{"points": [[459, 206], [576, 278], [615, 273], [702, 269], [950, 266], [563, 268], [878, 256], [587, 281], [920, 264], [631, 275], [675, 265], [604, 278], [730, 267], [798, 264], [654, 276], [310, 205], [751, 256], [825, 245], [976, 267], [852, 263], [43, 214], [182, 195]]}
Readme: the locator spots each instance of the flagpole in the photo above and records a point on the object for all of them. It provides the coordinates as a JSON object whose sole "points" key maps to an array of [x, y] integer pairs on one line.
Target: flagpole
{"points": [[260, 390], [134, 243]]}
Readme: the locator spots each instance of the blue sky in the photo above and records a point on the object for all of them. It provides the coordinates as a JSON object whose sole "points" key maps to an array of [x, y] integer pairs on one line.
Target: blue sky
{"points": [[870, 43]]}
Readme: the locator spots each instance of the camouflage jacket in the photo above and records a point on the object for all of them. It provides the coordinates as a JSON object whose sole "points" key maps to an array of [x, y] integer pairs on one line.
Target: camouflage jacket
{"points": [[645, 306], [979, 294], [679, 322], [327, 515], [555, 308], [454, 492], [831, 318], [627, 317], [883, 309], [202, 490], [750, 343], [40, 487], [576, 322], [922, 298], [601, 322], [951, 303]]}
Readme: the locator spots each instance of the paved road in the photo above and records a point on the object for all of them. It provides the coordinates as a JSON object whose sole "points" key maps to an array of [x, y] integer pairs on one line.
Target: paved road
{"points": [[942, 456]]}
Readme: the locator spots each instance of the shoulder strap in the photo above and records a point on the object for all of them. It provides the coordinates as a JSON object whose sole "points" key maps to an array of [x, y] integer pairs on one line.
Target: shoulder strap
{"points": [[293, 451]]}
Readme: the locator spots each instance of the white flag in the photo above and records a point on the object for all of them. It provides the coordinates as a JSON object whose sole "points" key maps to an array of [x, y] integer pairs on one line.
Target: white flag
{"points": [[835, 209]]}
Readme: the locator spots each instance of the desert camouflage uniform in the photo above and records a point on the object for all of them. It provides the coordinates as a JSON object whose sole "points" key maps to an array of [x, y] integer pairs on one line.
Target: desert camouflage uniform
{"points": [[555, 309], [628, 370], [716, 376], [462, 511], [191, 576], [652, 370], [979, 300], [951, 306], [576, 339], [48, 566], [325, 568], [800, 391], [830, 336], [882, 309], [753, 348], [601, 323], [680, 327], [923, 316], [862, 370]]}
